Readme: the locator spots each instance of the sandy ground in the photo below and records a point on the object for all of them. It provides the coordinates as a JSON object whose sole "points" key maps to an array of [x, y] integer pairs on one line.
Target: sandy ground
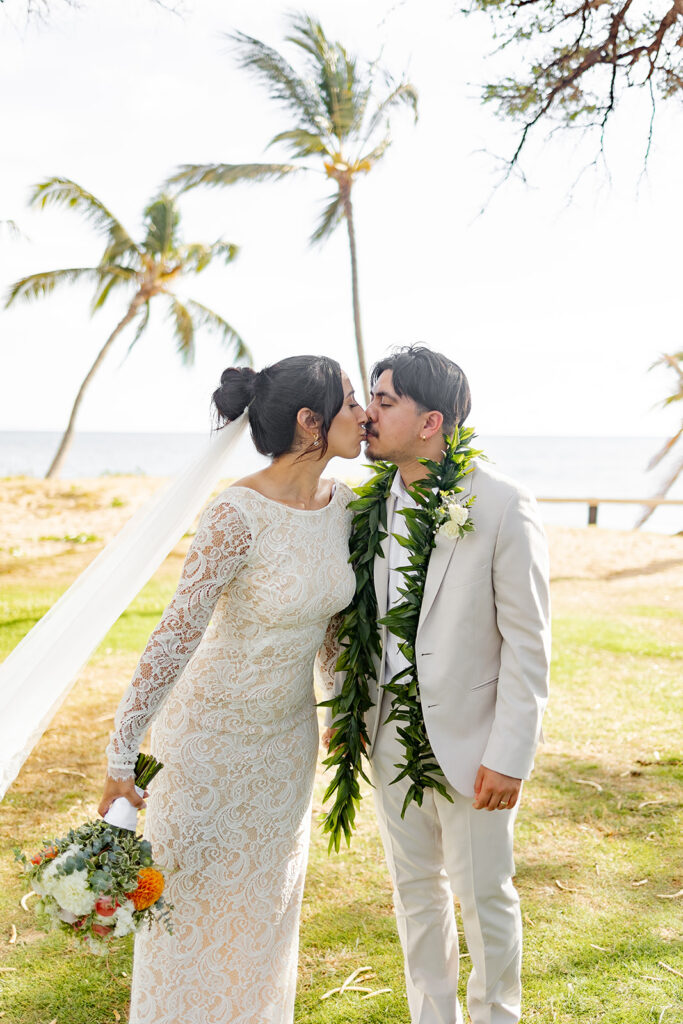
{"points": [[40, 519]]}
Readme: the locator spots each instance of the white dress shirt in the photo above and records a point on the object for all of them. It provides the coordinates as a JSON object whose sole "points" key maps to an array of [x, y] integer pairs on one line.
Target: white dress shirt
{"points": [[395, 661]]}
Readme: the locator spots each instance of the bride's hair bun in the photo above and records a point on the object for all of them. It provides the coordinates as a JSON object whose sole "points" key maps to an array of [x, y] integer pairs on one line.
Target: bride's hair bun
{"points": [[275, 395], [235, 392]]}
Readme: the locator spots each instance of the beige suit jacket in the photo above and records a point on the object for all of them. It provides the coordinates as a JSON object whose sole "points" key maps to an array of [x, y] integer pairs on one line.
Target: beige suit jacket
{"points": [[483, 639]]}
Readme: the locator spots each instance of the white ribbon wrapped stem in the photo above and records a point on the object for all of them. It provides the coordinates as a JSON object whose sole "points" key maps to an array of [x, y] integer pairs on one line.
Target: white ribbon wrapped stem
{"points": [[122, 813]]}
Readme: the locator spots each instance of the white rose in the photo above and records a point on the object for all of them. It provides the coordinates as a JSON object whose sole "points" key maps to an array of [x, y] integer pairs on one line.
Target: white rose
{"points": [[450, 530], [459, 514]]}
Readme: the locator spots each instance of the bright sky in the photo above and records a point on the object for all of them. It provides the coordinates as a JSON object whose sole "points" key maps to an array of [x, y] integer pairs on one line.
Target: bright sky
{"points": [[555, 310]]}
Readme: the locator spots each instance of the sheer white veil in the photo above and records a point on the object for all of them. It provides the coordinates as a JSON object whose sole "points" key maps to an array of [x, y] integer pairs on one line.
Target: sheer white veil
{"points": [[38, 674]]}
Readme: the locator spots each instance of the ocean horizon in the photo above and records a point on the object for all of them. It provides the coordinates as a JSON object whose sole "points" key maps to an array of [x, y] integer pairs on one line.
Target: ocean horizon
{"points": [[568, 467]]}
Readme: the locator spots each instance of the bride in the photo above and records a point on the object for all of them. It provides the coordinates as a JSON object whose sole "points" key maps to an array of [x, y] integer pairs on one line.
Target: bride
{"points": [[228, 677]]}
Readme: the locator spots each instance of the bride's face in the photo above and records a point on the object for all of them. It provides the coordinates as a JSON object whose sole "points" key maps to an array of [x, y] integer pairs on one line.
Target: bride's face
{"points": [[346, 429]]}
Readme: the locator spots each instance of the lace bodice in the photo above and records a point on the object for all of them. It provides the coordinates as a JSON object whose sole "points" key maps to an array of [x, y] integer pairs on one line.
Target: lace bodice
{"points": [[226, 561]]}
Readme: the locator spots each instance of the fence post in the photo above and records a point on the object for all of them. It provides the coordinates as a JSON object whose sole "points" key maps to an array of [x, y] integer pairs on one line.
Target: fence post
{"points": [[592, 515]]}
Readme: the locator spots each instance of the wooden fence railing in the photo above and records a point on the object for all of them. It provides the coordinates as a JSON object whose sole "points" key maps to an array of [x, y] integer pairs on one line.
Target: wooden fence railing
{"points": [[593, 503]]}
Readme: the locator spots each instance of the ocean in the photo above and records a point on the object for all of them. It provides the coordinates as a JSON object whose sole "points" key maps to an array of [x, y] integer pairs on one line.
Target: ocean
{"points": [[600, 467]]}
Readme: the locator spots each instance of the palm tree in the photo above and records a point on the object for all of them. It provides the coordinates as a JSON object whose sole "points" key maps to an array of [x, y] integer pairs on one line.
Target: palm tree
{"points": [[334, 117], [144, 270], [675, 362]]}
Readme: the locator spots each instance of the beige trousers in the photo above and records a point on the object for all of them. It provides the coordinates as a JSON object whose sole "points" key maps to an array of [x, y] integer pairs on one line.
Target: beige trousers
{"points": [[439, 850]]}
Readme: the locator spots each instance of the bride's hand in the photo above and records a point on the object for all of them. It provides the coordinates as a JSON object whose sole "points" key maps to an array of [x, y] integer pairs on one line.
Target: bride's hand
{"points": [[327, 734], [114, 789]]}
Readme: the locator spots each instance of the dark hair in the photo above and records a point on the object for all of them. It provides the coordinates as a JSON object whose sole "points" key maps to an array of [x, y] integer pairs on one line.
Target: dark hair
{"points": [[433, 382], [275, 395]]}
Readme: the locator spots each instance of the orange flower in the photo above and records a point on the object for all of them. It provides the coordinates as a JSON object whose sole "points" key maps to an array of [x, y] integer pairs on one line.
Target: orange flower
{"points": [[150, 888]]}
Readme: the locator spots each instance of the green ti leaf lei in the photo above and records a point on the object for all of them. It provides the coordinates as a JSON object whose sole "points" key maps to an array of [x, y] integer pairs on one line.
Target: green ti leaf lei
{"points": [[435, 497]]}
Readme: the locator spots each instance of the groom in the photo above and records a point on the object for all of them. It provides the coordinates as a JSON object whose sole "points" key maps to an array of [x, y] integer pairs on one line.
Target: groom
{"points": [[482, 652]]}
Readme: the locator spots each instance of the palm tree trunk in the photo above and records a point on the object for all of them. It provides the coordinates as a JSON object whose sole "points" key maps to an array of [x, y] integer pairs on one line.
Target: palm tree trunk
{"points": [[668, 484], [67, 438], [348, 213]]}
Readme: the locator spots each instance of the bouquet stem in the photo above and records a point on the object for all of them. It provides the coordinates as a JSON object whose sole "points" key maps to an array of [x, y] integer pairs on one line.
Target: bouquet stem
{"points": [[146, 767]]}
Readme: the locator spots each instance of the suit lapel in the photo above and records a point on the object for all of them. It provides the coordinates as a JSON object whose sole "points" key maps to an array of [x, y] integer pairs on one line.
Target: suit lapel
{"points": [[440, 559]]}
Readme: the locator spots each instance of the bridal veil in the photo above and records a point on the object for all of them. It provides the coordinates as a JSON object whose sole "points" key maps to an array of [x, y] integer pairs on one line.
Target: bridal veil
{"points": [[38, 674]]}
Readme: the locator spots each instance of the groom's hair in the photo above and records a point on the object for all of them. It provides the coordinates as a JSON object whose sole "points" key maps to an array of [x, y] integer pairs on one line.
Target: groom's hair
{"points": [[432, 381]]}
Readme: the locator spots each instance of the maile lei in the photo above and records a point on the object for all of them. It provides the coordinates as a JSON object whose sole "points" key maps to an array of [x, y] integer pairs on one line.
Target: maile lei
{"points": [[437, 510]]}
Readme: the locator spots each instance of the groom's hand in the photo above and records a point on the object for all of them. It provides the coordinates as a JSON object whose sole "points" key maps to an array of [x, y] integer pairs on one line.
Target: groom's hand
{"points": [[495, 792]]}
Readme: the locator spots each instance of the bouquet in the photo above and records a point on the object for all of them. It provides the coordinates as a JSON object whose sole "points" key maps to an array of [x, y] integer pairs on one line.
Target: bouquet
{"points": [[100, 882]]}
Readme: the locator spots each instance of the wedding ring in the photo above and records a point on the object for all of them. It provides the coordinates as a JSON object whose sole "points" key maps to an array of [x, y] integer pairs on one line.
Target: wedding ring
{"points": [[503, 803]]}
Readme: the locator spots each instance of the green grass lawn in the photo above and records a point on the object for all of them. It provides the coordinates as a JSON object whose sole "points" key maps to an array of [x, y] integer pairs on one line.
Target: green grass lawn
{"points": [[599, 855]]}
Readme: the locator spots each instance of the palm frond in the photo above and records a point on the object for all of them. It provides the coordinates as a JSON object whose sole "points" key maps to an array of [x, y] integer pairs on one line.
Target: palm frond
{"points": [[283, 83], [205, 317], [308, 35], [217, 175], [361, 97], [339, 86], [302, 143], [331, 218], [183, 328], [675, 362], [58, 191], [197, 256], [37, 286], [12, 228], [142, 326], [376, 154], [111, 277], [162, 219], [335, 73], [226, 251], [403, 94]]}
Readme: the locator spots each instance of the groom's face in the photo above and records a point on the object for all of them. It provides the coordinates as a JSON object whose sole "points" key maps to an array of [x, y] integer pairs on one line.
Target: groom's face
{"points": [[394, 423]]}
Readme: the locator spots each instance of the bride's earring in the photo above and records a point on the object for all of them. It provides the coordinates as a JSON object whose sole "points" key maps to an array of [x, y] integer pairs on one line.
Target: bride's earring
{"points": [[316, 440]]}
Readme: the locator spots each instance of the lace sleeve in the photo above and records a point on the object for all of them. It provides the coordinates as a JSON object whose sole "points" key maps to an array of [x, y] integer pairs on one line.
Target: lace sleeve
{"points": [[218, 550], [326, 658]]}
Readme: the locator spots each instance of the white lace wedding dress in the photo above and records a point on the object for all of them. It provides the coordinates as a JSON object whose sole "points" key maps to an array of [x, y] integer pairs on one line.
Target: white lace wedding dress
{"points": [[229, 674]]}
